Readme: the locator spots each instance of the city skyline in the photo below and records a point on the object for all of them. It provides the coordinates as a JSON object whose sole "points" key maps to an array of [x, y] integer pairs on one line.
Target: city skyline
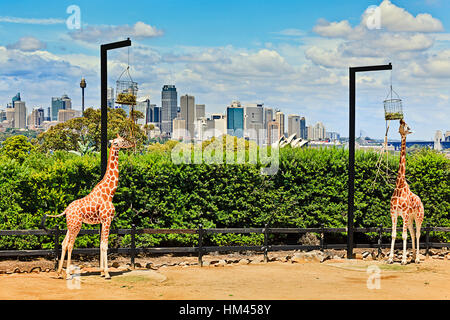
{"points": [[297, 62]]}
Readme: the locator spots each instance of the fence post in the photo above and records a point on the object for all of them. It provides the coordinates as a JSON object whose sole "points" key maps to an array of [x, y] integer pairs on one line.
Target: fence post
{"points": [[322, 238], [200, 245], [380, 235], [133, 245], [56, 239], [427, 240], [266, 242]]}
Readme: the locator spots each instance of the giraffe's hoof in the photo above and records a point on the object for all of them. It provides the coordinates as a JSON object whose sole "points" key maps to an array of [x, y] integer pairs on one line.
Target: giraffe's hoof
{"points": [[107, 277], [390, 261], [69, 277], [417, 260], [404, 262]]}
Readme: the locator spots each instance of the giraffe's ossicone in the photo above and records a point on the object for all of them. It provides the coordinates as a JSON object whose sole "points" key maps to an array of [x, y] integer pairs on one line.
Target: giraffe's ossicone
{"points": [[95, 208]]}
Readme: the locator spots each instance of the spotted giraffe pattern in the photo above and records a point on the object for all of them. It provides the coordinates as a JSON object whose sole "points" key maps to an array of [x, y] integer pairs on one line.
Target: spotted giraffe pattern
{"points": [[405, 204], [95, 208]]}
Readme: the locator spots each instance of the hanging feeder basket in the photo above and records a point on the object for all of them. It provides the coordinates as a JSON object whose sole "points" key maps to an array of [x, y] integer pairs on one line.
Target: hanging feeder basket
{"points": [[393, 108], [126, 90]]}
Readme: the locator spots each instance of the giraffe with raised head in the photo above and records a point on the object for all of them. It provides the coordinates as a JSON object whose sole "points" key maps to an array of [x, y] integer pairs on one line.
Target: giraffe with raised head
{"points": [[95, 208], [406, 204]]}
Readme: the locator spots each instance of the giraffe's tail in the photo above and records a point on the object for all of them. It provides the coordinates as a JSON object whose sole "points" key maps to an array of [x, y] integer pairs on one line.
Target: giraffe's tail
{"points": [[44, 217]]}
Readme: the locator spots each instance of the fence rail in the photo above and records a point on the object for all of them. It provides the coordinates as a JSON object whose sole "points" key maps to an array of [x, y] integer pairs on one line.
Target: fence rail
{"points": [[201, 249]]}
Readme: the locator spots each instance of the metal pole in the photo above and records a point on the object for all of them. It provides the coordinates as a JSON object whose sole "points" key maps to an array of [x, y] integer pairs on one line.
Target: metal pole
{"points": [[133, 245], [200, 245], [103, 87], [351, 166], [351, 148], [266, 244]]}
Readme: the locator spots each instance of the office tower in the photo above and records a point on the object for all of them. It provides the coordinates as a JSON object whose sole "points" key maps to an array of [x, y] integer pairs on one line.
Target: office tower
{"points": [[294, 125], [169, 107], [14, 99], [2, 115], [235, 119], [317, 132], [254, 122], [110, 97], [200, 110], [20, 115], [65, 115], [154, 115], [303, 132], [142, 105], [187, 113], [37, 118], [279, 117], [63, 103], [273, 131], [179, 129], [49, 115]]}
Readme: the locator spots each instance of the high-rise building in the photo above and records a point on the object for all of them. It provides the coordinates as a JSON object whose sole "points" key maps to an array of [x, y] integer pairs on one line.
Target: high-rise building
{"points": [[200, 110], [303, 131], [169, 108], [279, 117], [235, 119], [187, 113], [254, 122], [110, 97], [317, 132], [293, 125], [37, 118], [10, 116], [154, 115], [179, 129], [66, 115], [2, 115], [63, 103], [142, 105], [273, 132], [20, 114]]}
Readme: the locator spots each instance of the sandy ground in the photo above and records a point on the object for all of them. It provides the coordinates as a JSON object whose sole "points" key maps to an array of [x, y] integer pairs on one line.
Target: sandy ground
{"points": [[333, 279]]}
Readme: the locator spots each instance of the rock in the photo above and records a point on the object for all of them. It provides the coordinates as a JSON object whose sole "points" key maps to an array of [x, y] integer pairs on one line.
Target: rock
{"points": [[16, 270], [182, 264], [336, 257], [221, 263], [206, 263], [213, 262], [303, 257], [35, 270], [149, 265], [47, 270], [115, 264], [244, 261], [365, 254], [137, 265]]}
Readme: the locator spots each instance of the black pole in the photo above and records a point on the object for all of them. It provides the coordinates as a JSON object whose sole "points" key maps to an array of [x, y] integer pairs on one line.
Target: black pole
{"points": [[104, 108], [351, 148]]}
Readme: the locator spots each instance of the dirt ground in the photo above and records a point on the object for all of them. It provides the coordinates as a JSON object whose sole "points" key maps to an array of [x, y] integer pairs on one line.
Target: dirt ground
{"points": [[333, 279]]}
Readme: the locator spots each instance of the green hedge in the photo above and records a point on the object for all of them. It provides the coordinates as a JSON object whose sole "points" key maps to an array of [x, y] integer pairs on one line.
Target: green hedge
{"points": [[310, 189]]}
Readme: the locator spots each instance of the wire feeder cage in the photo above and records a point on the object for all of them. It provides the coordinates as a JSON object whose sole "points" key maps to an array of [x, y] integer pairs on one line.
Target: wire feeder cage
{"points": [[393, 108], [126, 90], [126, 94]]}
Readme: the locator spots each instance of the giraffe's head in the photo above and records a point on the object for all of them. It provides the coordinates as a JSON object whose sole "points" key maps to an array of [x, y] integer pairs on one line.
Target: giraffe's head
{"points": [[404, 129], [121, 143]]}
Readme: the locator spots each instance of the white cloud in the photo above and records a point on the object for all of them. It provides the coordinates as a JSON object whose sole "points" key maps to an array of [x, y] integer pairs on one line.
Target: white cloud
{"points": [[28, 44], [47, 21], [398, 19], [97, 34], [333, 29]]}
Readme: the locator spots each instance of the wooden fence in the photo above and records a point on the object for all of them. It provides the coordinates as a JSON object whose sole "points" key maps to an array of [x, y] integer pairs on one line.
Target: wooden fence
{"points": [[201, 249]]}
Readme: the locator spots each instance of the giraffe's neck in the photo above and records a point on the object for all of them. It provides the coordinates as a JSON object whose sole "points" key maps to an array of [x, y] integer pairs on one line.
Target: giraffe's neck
{"points": [[402, 167], [111, 177]]}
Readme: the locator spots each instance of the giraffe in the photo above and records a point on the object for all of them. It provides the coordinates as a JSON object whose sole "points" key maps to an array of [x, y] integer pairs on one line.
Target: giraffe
{"points": [[95, 208], [406, 204]]}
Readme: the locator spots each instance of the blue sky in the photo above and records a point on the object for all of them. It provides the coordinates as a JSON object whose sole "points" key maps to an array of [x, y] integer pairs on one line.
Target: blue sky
{"points": [[291, 55]]}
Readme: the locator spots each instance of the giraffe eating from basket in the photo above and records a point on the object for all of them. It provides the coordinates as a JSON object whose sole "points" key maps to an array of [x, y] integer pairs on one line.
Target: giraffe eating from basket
{"points": [[406, 204], [95, 208]]}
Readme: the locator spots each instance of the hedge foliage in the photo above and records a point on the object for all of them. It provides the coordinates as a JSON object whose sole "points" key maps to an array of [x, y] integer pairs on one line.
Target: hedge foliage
{"points": [[309, 190]]}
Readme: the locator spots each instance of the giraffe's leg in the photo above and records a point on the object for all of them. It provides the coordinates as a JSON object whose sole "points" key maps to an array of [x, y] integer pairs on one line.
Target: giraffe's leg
{"points": [[413, 238], [63, 253], [104, 248], [405, 239], [394, 236], [419, 219], [72, 236]]}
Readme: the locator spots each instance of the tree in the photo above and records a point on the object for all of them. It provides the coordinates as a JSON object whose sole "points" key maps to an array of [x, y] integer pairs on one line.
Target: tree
{"points": [[17, 147], [65, 136]]}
